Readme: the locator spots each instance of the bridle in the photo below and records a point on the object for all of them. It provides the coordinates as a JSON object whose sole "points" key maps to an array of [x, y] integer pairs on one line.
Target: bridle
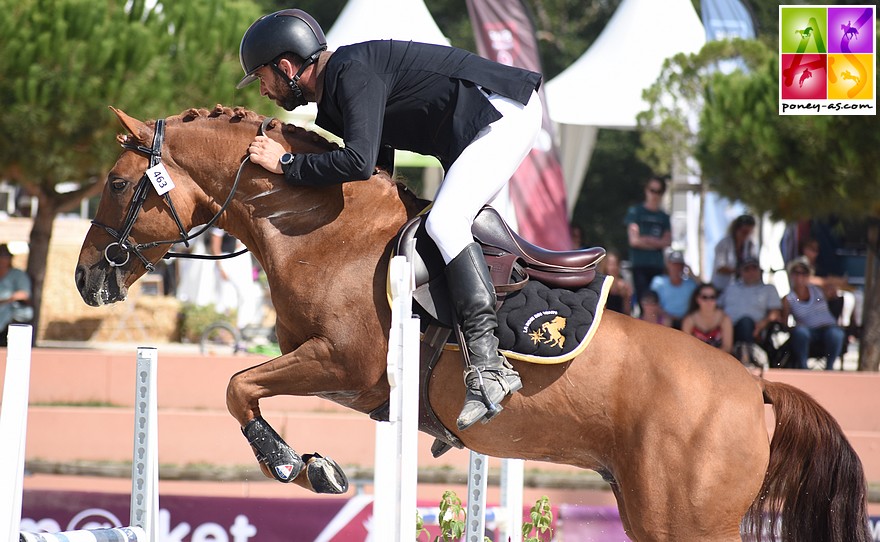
{"points": [[124, 247]]}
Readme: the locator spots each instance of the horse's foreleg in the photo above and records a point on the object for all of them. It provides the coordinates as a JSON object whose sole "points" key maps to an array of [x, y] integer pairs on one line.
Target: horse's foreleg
{"points": [[308, 369]]}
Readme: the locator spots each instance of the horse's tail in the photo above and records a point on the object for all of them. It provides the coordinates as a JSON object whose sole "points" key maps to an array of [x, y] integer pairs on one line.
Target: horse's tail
{"points": [[814, 483]]}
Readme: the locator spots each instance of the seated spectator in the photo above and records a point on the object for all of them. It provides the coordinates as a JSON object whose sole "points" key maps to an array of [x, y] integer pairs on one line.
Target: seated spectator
{"points": [[620, 296], [674, 288], [814, 322], [706, 321], [15, 294], [651, 311], [752, 306], [732, 249]]}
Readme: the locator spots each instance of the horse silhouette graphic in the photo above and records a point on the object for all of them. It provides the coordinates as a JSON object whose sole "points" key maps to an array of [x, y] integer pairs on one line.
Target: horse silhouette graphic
{"points": [[805, 33], [553, 328], [849, 30], [847, 75], [804, 76]]}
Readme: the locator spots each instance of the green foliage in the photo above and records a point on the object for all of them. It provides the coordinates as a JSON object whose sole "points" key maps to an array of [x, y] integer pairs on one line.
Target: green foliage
{"points": [[194, 319], [453, 518], [65, 61], [795, 167], [542, 518]]}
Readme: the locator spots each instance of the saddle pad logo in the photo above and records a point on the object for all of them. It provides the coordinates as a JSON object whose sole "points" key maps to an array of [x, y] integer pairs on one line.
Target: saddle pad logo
{"points": [[546, 327]]}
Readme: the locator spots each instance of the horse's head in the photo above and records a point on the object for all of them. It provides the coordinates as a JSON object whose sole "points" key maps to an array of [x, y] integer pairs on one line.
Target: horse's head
{"points": [[133, 220]]}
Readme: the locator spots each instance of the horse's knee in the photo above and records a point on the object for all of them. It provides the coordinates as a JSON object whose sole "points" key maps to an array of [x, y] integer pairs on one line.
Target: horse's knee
{"points": [[239, 402]]}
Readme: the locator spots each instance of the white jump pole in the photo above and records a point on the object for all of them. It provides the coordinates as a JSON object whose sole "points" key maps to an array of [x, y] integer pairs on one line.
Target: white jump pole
{"points": [[13, 431], [478, 482], [512, 498], [145, 459], [396, 465], [13, 428]]}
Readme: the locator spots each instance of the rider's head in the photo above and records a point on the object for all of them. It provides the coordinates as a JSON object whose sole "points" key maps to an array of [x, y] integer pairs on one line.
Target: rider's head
{"points": [[290, 34]]}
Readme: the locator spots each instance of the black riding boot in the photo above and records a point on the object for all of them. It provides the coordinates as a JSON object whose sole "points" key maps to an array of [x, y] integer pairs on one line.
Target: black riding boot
{"points": [[473, 299]]}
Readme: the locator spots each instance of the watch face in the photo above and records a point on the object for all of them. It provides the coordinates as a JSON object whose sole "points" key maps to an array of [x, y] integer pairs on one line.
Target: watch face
{"points": [[286, 158]]}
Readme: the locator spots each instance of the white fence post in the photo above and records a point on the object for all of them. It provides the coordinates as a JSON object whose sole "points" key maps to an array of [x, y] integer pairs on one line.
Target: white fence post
{"points": [[145, 460], [13, 433], [13, 428], [396, 465]]}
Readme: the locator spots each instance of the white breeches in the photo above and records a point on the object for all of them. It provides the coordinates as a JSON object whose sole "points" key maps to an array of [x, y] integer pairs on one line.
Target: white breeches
{"points": [[481, 172]]}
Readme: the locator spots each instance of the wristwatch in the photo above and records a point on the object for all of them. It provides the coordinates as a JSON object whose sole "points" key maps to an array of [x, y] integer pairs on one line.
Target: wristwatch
{"points": [[285, 160]]}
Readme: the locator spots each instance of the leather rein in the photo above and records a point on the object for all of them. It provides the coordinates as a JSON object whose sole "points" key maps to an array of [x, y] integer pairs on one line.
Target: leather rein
{"points": [[125, 248]]}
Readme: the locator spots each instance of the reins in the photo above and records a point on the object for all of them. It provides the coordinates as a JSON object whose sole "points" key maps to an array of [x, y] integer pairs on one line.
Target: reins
{"points": [[140, 196]]}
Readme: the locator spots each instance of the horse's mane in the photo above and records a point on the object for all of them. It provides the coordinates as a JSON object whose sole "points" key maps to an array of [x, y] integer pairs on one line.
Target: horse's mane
{"points": [[241, 114]]}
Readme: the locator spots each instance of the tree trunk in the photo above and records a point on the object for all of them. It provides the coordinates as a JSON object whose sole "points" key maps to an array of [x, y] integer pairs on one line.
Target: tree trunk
{"points": [[869, 345], [41, 237]]}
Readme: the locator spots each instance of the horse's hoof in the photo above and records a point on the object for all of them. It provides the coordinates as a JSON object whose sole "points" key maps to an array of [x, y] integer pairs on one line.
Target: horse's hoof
{"points": [[325, 475], [283, 463]]}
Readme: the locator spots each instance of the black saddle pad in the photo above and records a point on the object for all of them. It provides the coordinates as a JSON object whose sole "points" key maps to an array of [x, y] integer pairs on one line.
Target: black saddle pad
{"points": [[540, 324]]}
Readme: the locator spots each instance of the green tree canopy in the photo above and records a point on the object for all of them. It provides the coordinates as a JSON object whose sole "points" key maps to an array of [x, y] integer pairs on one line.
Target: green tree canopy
{"points": [[65, 61]]}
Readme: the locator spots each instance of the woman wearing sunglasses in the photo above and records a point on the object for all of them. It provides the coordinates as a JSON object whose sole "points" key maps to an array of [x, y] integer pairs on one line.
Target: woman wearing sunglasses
{"points": [[706, 321]]}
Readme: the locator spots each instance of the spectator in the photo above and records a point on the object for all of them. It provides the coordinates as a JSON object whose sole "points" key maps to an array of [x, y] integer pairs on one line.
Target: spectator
{"points": [[236, 288], [651, 311], [648, 233], [814, 322], [674, 288], [620, 296], [15, 294], [732, 249], [752, 307], [706, 321]]}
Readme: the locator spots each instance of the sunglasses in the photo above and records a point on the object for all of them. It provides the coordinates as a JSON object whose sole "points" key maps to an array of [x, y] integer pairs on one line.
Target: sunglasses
{"points": [[708, 297], [799, 272], [656, 191]]}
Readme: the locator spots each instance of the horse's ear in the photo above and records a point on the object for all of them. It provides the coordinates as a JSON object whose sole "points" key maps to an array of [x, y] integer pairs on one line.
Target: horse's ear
{"points": [[134, 126]]}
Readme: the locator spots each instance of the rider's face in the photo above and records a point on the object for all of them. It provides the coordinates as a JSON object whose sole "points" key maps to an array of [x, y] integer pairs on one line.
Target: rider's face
{"points": [[275, 88]]}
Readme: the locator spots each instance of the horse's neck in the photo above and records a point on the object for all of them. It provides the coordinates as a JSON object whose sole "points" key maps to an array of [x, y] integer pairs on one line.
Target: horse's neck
{"points": [[266, 212]]}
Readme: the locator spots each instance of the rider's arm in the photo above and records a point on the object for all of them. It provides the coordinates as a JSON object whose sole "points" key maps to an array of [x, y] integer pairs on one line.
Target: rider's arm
{"points": [[360, 96]]}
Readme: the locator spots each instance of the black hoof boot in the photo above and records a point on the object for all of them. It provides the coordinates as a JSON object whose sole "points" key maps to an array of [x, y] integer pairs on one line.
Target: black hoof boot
{"points": [[325, 475], [272, 451]]}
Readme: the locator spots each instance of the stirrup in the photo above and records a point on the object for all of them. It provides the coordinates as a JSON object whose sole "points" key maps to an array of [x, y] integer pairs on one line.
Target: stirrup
{"points": [[271, 450], [325, 475], [502, 377]]}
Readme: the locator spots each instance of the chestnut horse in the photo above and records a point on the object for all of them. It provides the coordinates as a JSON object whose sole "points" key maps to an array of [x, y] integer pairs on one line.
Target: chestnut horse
{"points": [[676, 427]]}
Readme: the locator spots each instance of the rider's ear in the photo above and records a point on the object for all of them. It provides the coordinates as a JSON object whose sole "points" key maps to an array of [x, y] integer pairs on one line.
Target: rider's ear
{"points": [[134, 126]]}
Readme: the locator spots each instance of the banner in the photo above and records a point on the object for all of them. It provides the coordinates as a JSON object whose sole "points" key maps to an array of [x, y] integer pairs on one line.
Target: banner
{"points": [[505, 33]]}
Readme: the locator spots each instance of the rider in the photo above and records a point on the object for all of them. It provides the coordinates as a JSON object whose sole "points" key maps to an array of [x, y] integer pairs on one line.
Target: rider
{"points": [[478, 117]]}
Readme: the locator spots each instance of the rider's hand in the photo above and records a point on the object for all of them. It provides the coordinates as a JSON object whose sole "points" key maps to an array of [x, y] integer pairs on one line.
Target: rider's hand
{"points": [[266, 152]]}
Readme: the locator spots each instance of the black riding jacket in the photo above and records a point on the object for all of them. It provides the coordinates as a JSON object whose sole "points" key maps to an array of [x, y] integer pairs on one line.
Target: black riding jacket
{"points": [[411, 96]]}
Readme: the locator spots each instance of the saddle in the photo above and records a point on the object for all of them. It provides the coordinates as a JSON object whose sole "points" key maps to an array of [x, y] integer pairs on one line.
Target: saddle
{"points": [[512, 262]]}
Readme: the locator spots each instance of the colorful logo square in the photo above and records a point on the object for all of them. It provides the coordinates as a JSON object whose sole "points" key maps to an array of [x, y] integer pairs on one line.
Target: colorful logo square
{"points": [[850, 77], [803, 77], [851, 29], [802, 30]]}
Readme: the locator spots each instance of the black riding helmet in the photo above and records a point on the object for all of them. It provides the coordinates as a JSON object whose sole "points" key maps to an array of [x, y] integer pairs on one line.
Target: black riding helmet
{"points": [[286, 31]]}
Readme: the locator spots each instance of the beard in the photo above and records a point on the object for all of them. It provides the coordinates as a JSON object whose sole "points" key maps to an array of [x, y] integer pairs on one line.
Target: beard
{"points": [[290, 100]]}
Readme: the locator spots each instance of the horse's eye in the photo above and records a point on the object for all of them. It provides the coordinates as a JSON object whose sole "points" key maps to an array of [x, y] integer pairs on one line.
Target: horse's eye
{"points": [[118, 185]]}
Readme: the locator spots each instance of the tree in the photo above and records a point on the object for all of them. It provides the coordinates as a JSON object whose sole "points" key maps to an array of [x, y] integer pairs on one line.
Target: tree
{"points": [[65, 61], [795, 167]]}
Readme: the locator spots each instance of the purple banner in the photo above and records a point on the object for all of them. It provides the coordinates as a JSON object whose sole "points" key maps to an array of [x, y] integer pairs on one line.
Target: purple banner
{"points": [[505, 33]]}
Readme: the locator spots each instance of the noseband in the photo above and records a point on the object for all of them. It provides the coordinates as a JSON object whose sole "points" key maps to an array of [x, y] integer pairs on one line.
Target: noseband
{"points": [[123, 247]]}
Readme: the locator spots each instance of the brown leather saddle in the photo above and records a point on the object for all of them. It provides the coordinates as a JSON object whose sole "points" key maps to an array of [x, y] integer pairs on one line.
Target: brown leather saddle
{"points": [[512, 262], [511, 259]]}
